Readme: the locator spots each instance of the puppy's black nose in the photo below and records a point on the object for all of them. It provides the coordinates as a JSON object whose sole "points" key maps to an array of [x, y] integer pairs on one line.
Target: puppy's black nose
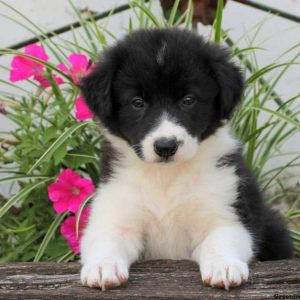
{"points": [[165, 147]]}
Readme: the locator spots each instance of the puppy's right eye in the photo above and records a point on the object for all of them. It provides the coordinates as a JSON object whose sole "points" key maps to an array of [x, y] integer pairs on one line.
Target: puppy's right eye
{"points": [[188, 100], [138, 103]]}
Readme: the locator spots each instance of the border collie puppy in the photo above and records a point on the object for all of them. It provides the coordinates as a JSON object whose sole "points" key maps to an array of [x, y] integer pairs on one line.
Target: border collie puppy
{"points": [[173, 181]]}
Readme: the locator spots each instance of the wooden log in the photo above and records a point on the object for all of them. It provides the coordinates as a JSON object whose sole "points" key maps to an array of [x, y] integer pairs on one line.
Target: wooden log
{"points": [[161, 279]]}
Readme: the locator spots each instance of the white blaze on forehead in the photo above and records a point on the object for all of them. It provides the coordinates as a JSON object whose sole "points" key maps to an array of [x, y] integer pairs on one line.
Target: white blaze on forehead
{"points": [[167, 127], [160, 56]]}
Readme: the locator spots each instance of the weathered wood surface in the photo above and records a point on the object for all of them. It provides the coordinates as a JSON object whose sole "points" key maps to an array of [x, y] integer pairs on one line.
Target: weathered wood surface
{"points": [[165, 279]]}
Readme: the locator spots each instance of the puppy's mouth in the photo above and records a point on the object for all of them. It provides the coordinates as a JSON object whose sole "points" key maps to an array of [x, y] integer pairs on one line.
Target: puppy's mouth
{"points": [[163, 160]]}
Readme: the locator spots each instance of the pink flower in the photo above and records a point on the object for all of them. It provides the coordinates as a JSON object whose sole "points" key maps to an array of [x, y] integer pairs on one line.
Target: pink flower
{"points": [[69, 191], [79, 67], [68, 229], [82, 112], [23, 68], [45, 81]]}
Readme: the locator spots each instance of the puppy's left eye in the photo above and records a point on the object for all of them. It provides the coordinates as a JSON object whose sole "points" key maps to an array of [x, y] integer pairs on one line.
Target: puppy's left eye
{"points": [[137, 103], [188, 100]]}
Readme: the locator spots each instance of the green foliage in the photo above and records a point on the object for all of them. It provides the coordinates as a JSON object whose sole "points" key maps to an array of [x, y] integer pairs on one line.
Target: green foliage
{"points": [[48, 138], [218, 22]]}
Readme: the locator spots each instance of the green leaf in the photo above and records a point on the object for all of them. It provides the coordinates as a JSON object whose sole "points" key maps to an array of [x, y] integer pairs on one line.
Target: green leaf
{"points": [[50, 133], [50, 233], [174, 13], [66, 257], [22, 177], [12, 256], [130, 26], [295, 236], [294, 214], [60, 153], [147, 12], [265, 70], [218, 22], [21, 195], [278, 114], [58, 142], [74, 159], [189, 15]]}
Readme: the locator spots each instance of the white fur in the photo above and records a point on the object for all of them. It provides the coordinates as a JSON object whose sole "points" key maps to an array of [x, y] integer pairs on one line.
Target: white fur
{"points": [[160, 56], [223, 255], [176, 210], [168, 128]]}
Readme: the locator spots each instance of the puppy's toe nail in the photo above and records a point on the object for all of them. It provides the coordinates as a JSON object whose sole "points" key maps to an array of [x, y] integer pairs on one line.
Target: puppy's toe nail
{"points": [[244, 279], [95, 284], [110, 284], [122, 278], [219, 285], [232, 284], [84, 282]]}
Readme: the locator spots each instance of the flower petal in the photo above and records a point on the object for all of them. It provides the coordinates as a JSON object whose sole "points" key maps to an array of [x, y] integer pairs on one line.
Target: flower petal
{"points": [[69, 191], [79, 62], [63, 68], [86, 186], [68, 229], [36, 51], [82, 111], [58, 79], [54, 191], [67, 176], [22, 68], [60, 206], [74, 205], [45, 81]]}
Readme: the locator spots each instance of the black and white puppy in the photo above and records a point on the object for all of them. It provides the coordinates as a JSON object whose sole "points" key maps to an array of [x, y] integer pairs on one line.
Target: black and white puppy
{"points": [[174, 184]]}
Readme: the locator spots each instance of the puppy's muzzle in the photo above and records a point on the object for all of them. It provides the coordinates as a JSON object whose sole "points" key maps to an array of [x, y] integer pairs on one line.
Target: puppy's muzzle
{"points": [[166, 147]]}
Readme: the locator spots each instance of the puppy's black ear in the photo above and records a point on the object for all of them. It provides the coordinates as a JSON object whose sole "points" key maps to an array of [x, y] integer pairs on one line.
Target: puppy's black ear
{"points": [[231, 83], [96, 89]]}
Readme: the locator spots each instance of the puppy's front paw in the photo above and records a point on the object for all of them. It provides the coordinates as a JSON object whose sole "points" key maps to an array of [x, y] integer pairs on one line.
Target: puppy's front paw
{"points": [[104, 273], [224, 272]]}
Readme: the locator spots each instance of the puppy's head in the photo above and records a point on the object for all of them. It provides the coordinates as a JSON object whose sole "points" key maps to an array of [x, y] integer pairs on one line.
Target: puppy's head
{"points": [[163, 92]]}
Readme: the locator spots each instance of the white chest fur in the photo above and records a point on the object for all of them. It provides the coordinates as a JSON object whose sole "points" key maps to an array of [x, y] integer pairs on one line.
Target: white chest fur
{"points": [[180, 204], [171, 206]]}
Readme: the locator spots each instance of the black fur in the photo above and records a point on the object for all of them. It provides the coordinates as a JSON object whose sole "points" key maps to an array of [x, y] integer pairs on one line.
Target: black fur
{"points": [[271, 239], [109, 158], [188, 66]]}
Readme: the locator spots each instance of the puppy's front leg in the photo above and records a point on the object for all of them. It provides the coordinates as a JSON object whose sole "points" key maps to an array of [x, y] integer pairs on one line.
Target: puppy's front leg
{"points": [[112, 239], [223, 256]]}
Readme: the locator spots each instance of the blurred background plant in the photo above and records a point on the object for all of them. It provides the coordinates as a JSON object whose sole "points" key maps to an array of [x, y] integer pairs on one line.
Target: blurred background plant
{"points": [[55, 133]]}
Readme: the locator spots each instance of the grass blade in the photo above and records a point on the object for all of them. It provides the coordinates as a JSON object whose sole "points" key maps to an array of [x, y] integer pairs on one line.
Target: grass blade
{"points": [[58, 142], [173, 13], [20, 195], [22, 177], [218, 22], [50, 233]]}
